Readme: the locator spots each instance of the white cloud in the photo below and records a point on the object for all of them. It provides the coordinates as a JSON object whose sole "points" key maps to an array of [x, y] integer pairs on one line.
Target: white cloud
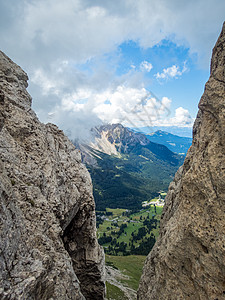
{"points": [[131, 106], [171, 72], [182, 117], [166, 102], [123, 101], [46, 30], [146, 66], [46, 84], [134, 107], [54, 40]]}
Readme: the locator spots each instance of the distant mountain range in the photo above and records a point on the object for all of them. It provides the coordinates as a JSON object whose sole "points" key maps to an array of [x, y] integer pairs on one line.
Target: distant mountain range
{"points": [[126, 167], [179, 131], [173, 142]]}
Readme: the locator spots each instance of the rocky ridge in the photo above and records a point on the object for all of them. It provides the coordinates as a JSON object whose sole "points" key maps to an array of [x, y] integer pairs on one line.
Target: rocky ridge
{"points": [[111, 139], [48, 247], [187, 262], [115, 139]]}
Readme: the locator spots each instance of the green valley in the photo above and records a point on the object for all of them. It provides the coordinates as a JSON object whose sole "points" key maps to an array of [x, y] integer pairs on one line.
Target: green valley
{"points": [[125, 232], [126, 168], [129, 175], [127, 180]]}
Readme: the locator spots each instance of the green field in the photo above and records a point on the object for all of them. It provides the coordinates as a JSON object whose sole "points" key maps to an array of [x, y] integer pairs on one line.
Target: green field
{"points": [[126, 284], [122, 232], [114, 293], [131, 265], [125, 243]]}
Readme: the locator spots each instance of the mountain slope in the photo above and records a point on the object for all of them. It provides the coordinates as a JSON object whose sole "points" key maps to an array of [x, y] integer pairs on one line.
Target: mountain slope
{"points": [[117, 139], [173, 142], [128, 168]]}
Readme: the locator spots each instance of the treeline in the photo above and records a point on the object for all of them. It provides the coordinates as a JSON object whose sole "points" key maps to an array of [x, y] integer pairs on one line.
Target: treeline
{"points": [[140, 243], [143, 248]]}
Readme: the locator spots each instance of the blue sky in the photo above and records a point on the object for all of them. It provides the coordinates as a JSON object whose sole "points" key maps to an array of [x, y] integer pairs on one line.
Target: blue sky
{"points": [[184, 90], [140, 63]]}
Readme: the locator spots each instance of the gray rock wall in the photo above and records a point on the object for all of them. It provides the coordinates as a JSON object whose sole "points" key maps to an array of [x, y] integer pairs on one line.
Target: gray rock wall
{"points": [[48, 244], [188, 260]]}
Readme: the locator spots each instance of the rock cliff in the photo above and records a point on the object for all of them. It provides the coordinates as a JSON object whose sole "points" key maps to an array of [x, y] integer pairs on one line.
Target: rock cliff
{"points": [[188, 260], [48, 244]]}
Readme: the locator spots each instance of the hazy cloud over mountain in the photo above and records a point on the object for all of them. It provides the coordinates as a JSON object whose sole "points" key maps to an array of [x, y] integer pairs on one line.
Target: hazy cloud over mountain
{"points": [[72, 51]]}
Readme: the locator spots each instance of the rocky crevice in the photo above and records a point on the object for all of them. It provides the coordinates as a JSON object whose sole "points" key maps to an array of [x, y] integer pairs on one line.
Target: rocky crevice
{"points": [[45, 190], [83, 252]]}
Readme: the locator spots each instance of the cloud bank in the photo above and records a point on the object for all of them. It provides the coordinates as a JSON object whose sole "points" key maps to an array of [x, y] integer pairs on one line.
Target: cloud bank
{"points": [[51, 30], [70, 51]]}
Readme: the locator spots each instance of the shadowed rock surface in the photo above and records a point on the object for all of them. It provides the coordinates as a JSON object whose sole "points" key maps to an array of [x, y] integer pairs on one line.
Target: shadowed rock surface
{"points": [[48, 244], [188, 260]]}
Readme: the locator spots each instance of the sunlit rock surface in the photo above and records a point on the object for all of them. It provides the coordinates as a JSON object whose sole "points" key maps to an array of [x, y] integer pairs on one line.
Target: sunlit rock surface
{"points": [[48, 244]]}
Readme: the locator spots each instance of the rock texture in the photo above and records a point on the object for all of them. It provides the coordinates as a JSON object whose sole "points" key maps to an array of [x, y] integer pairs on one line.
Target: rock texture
{"points": [[188, 261], [48, 244]]}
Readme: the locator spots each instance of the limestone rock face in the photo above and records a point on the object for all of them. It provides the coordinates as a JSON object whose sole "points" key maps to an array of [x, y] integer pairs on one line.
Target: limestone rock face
{"points": [[188, 260], [48, 244]]}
